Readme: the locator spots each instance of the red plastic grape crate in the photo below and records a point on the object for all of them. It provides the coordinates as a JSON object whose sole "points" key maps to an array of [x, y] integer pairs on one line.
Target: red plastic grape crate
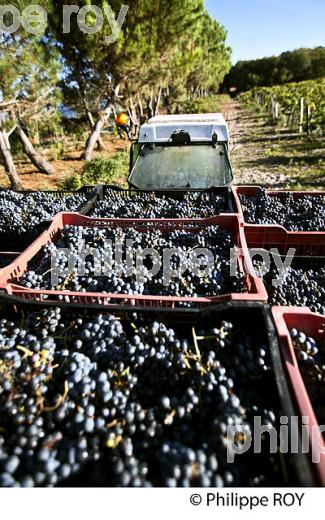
{"points": [[9, 277], [313, 325], [252, 191], [276, 236]]}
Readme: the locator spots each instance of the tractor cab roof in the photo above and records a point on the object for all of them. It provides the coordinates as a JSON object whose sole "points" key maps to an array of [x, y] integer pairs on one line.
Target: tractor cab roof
{"points": [[202, 128]]}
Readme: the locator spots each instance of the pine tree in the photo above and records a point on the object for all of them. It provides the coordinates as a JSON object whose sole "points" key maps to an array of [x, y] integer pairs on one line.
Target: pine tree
{"points": [[158, 48], [28, 92]]}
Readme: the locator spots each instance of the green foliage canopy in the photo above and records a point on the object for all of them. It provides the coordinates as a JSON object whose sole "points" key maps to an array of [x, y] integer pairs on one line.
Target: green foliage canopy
{"points": [[299, 65]]}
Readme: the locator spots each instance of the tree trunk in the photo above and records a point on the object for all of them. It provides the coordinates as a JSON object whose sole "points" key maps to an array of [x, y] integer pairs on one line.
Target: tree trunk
{"points": [[38, 161], [95, 133], [167, 99], [100, 143], [7, 142], [157, 102], [150, 109], [9, 162], [140, 106], [133, 118]]}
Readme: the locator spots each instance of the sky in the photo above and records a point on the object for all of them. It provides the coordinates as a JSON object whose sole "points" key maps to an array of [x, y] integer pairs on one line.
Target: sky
{"points": [[260, 28]]}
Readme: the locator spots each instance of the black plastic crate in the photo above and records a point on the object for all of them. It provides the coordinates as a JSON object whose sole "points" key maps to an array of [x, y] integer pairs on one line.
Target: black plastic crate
{"points": [[12, 238], [7, 257], [91, 191], [177, 195], [292, 470]]}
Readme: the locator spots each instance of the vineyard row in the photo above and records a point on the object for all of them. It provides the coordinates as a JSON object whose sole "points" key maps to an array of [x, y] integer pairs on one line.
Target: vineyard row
{"points": [[297, 105]]}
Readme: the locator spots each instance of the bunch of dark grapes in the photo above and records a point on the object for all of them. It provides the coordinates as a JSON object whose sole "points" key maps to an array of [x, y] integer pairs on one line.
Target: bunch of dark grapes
{"points": [[302, 284], [150, 205], [115, 278], [21, 212], [311, 360], [98, 401], [303, 213]]}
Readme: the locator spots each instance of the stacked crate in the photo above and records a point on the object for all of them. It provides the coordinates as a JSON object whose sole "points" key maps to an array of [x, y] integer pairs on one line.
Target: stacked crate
{"points": [[309, 247], [292, 395]]}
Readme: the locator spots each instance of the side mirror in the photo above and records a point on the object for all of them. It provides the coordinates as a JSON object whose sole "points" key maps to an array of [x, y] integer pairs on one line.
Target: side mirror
{"points": [[134, 153]]}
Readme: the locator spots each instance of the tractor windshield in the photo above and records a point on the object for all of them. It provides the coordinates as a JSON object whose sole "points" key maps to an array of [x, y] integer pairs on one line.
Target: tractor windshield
{"points": [[181, 167]]}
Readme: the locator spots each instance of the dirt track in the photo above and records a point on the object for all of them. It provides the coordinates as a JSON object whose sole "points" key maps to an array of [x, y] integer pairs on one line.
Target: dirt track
{"points": [[272, 158]]}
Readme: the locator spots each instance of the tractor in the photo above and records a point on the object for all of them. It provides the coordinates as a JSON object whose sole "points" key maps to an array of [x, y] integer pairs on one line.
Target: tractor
{"points": [[181, 152]]}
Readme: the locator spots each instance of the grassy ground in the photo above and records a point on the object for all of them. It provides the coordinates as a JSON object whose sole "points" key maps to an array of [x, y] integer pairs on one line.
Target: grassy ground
{"points": [[66, 166], [273, 157]]}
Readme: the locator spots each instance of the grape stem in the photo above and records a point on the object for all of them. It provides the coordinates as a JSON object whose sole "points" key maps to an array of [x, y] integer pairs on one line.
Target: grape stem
{"points": [[59, 401]]}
